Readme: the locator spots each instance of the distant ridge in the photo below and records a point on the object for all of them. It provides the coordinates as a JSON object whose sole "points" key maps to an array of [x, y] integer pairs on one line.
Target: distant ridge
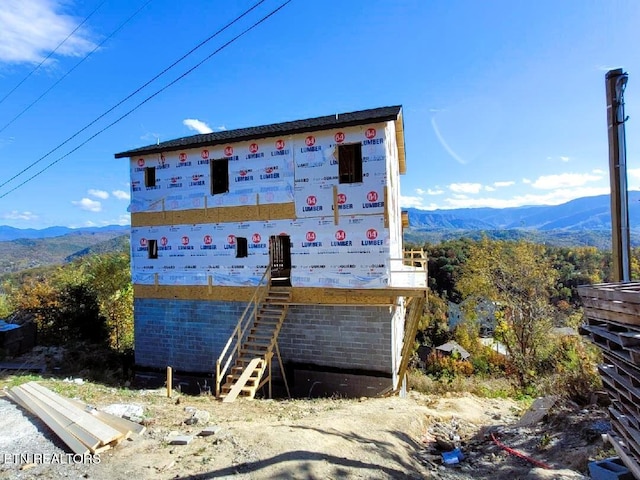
{"points": [[10, 233], [586, 213], [584, 221]]}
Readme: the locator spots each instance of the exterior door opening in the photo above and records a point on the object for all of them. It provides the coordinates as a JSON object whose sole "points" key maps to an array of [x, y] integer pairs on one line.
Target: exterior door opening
{"points": [[280, 253]]}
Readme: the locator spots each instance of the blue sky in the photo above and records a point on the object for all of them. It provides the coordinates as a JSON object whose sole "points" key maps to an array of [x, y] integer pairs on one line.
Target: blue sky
{"points": [[504, 102]]}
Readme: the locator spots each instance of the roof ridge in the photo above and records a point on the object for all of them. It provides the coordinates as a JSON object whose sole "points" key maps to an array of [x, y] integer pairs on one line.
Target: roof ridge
{"points": [[270, 130]]}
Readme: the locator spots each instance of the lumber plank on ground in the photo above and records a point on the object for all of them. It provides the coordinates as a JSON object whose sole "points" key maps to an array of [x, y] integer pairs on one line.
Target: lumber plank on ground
{"points": [[69, 439], [121, 424], [85, 420], [86, 437]]}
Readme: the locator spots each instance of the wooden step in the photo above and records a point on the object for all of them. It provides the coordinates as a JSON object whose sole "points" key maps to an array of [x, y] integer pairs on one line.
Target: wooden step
{"points": [[275, 310], [231, 379], [253, 352], [256, 337], [256, 344], [239, 386], [269, 316]]}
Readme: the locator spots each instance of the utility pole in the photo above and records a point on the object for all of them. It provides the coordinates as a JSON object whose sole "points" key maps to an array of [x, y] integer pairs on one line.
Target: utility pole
{"points": [[616, 81]]}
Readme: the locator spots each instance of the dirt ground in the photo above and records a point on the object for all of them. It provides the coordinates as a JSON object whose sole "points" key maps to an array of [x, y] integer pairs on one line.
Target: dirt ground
{"points": [[368, 438]]}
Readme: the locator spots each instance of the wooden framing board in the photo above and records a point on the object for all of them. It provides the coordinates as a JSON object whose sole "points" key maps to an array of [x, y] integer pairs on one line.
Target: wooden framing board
{"points": [[85, 420], [613, 316], [611, 305], [242, 381], [624, 292], [402, 163], [300, 295], [630, 463], [127, 427], [265, 211], [70, 440]]}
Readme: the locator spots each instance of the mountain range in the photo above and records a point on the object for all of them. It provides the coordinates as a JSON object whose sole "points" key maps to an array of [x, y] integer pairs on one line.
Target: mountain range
{"points": [[583, 221]]}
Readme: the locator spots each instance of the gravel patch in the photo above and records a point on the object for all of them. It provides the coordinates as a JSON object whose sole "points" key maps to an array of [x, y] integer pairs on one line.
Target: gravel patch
{"points": [[29, 449]]}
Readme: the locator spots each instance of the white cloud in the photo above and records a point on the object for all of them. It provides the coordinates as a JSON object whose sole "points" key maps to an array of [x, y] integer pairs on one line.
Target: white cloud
{"points": [[503, 184], [598, 171], [489, 188], [121, 195], [99, 194], [564, 159], [429, 191], [465, 187], [88, 205], [197, 125], [526, 181], [410, 202], [555, 197], [31, 29], [123, 220], [16, 215], [564, 180], [221, 128]]}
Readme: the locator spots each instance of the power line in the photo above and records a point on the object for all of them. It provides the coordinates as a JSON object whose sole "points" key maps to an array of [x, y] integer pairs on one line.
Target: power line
{"points": [[235, 20], [74, 67], [197, 65], [53, 51]]}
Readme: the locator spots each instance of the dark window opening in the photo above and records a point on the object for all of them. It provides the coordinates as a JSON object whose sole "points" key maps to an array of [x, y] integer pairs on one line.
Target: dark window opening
{"points": [[242, 249], [149, 176], [350, 163], [152, 248], [219, 176]]}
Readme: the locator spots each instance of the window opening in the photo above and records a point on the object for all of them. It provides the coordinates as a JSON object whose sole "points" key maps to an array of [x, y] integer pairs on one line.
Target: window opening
{"points": [[152, 249], [219, 176], [350, 163], [149, 176], [242, 249]]}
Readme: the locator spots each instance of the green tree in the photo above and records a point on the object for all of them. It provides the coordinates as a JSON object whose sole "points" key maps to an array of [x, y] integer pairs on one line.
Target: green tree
{"points": [[433, 329], [110, 277], [520, 278]]}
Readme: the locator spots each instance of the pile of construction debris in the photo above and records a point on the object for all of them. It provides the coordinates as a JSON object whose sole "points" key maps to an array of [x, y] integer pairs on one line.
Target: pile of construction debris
{"points": [[612, 321]]}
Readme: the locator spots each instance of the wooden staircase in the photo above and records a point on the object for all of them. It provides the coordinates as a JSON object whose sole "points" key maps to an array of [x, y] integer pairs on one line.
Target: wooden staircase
{"points": [[257, 350]]}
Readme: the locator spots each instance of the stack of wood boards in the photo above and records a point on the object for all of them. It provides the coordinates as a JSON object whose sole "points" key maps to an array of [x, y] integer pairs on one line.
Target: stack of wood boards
{"points": [[612, 320], [82, 428]]}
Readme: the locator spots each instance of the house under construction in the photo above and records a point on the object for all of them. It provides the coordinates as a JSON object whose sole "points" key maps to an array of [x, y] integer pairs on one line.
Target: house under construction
{"points": [[273, 255]]}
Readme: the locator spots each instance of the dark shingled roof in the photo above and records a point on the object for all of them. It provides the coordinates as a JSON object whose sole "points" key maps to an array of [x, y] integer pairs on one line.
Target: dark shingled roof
{"points": [[382, 114]]}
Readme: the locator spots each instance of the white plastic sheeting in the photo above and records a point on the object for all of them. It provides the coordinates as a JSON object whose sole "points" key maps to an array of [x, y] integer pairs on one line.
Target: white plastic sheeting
{"points": [[262, 171], [258, 172], [351, 254]]}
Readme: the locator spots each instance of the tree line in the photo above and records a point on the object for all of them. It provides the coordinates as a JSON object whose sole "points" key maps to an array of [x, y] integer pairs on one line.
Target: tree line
{"points": [[532, 289]]}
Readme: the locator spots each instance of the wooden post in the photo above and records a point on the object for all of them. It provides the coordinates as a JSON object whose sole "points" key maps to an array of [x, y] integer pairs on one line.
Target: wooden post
{"points": [[218, 379], [284, 376], [620, 263], [336, 215], [386, 207], [270, 357], [169, 381]]}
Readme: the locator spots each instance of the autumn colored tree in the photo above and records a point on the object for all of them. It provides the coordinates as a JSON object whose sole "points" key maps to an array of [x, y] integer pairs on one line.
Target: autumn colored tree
{"points": [[520, 278]]}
